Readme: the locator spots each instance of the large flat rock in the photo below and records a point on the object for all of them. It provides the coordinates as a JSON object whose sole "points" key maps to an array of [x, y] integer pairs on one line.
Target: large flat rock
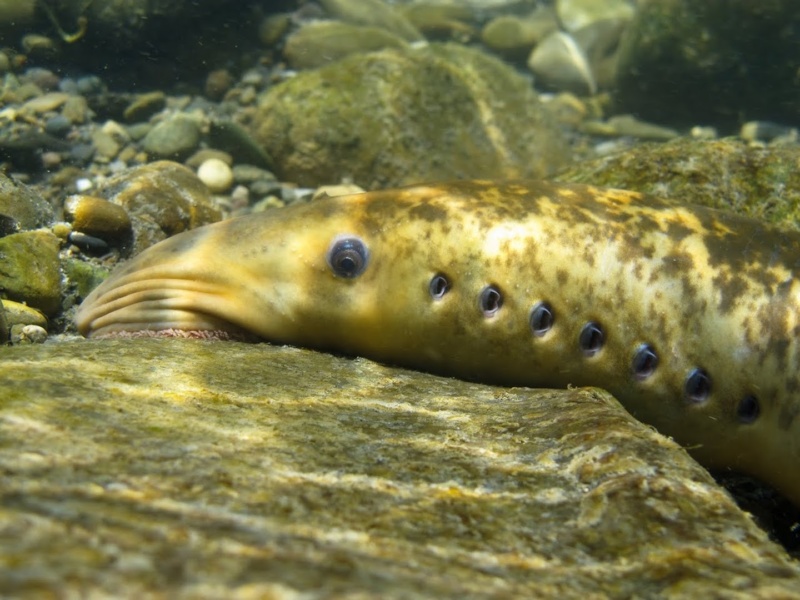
{"points": [[178, 468]]}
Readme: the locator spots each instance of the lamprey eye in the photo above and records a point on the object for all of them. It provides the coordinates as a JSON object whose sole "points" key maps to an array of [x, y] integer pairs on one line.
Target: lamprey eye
{"points": [[490, 300], [645, 362], [748, 410], [592, 338], [698, 386], [541, 319], [348, 257], [439, 286]]}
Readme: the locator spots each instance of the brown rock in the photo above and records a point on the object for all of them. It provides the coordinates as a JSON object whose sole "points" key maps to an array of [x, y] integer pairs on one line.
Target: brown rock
{"points": [[163, 198]]}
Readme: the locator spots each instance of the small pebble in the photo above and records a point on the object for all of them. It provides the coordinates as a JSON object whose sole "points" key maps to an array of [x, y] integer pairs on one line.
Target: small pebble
{"points": [[217, 175], [61, 230], [559, 63], [90, 84], [45, 103], [38, 45], [218, 83], [202, 155], [88, 243], [248, 95], [249, 173], [106, 147], [253, 77], [68, 85], [330, 191], [765, 131], [28, 334], [115, 130], [240, 197], [81, 154], [137, 131], [58, 126], [144, 106], [51, 160], [176, 138], [77, 110], [265, 187], [97, 217], [44, 78], [273, 28], [83, 184], [17, 313], [704, 133]]}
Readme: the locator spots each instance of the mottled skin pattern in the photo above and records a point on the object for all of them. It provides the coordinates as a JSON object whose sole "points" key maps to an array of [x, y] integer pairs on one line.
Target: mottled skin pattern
{"points": [[705, 289]]}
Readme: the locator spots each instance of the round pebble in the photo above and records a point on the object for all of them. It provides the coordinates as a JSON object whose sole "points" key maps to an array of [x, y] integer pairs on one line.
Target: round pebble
{"points": [[58, 126], [17, 313], [97, 217], [88, 243], [217, 175], [38, 45], [90, 84], [51, 160], [28, 334], [177, 137], [83, 184], [144, 106], [218, 83], [76, 109], [81, 154], [559, 63]]}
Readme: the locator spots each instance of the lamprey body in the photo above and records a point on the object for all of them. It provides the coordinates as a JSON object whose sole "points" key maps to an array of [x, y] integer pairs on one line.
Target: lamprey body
{"points": [[688, 315]]}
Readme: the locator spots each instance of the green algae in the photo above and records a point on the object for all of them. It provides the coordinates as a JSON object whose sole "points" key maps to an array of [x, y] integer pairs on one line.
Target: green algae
{"points": [[407, 115], [29, 270], [759, 182], [83, 275]]}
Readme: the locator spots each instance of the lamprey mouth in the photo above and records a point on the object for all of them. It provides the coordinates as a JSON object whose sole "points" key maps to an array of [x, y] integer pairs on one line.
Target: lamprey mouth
{"points": [[161, 308]]}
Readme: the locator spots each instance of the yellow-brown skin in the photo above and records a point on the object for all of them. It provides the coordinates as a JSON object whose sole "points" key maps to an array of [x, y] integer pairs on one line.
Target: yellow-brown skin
{"points": [[705, 289]]}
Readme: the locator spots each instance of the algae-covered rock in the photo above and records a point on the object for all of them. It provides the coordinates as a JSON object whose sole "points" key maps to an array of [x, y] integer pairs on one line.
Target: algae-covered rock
{"points": [[195, 469], [29, 269], [321, 42], [21, 208], [83, 276], [729, 174], [22, 314], [714, 62], [402, 116]]}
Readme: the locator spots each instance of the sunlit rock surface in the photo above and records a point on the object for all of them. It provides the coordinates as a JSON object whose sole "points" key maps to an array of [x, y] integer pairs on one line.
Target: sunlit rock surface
{"points": [[181, 468]]}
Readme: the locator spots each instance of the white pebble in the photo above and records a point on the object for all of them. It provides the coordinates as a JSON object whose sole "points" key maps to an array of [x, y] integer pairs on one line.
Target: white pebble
{"points": [[217, 175], [28, 334], [83, 184]]}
